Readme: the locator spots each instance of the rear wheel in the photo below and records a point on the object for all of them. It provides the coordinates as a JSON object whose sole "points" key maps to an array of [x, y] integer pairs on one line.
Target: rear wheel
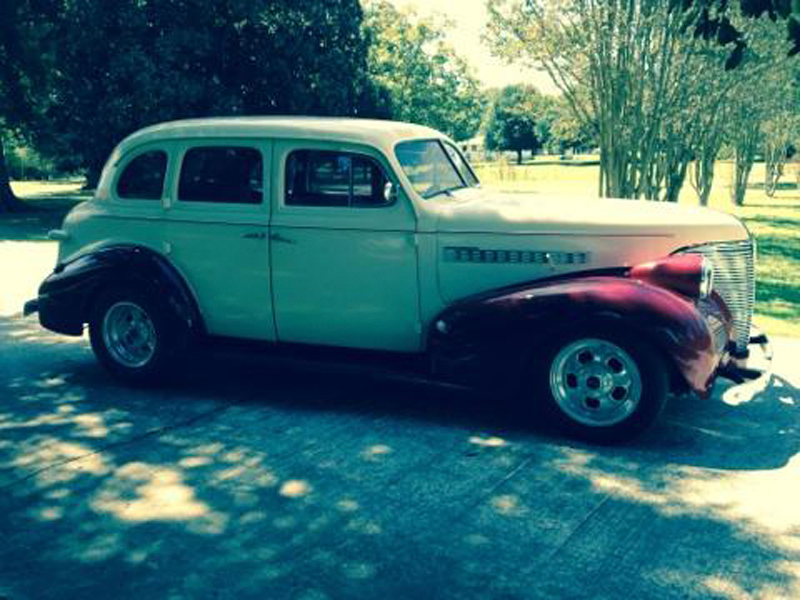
{"points": [[602, 386], [132, 336]]}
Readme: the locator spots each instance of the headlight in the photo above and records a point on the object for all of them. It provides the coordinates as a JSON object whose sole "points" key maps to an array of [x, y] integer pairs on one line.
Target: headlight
{"points": [[688, 274]]}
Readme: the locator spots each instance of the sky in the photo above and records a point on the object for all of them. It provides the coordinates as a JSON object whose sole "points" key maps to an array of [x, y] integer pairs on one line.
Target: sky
{"points": [[469, 17]]}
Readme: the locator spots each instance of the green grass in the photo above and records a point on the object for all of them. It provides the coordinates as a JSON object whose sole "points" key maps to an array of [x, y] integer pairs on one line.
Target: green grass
{"points": [[775, 222]]}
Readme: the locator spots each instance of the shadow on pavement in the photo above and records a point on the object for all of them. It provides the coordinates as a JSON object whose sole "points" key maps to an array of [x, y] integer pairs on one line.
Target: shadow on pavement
{"points": [[250, 479]]}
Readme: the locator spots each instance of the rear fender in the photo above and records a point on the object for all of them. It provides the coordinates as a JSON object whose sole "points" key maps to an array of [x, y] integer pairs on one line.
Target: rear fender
{"points": [[66, 297], [494, 334]]}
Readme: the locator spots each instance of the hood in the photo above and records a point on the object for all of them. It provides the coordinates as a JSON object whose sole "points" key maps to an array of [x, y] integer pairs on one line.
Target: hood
{"points": [[474, 229], [535, 214]]}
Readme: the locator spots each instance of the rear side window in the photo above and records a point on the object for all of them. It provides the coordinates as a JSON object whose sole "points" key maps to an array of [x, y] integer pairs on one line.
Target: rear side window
{"points": [[324, 178], [222, 174], [143, 177]]}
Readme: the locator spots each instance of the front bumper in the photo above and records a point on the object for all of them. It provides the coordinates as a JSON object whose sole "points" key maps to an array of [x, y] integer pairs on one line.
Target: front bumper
{"points": [[754, 364]]}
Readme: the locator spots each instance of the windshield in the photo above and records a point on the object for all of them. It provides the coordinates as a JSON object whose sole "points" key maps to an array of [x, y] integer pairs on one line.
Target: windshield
{"points": [[434, 167]]}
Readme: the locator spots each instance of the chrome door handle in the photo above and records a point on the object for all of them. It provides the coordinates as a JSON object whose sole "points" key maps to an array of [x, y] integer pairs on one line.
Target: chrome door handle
{"points": [[254, 235], [277, 237]]}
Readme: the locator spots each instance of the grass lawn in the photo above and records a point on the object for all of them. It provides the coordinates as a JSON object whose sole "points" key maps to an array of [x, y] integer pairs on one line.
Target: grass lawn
{"points": [[775, 222]]}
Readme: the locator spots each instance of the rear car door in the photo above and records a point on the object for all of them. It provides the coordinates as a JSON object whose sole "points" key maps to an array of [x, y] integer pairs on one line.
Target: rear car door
{"points": [[217, 224]]}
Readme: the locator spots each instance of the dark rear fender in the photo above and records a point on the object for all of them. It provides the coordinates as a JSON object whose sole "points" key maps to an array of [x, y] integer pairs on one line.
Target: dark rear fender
{"points": [[67, 296]]}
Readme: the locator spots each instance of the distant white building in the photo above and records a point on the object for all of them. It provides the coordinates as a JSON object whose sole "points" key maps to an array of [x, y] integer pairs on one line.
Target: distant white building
{"points": [[474, 149]]}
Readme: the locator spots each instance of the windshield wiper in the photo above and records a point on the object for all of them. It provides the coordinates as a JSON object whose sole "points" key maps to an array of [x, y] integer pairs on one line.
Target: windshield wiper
{"points": [[446, 191]]}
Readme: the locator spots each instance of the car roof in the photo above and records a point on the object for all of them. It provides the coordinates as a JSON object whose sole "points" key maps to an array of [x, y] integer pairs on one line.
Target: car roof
{"points": [[361, 131]]}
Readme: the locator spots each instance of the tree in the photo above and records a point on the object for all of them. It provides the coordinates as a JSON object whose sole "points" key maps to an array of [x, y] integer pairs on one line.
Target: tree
{"points": [[620, 65], [427, 82], [513, 120], [780, 132], [745, 144], [22, 75], [146, 61], [568, 132], [655, 97]]}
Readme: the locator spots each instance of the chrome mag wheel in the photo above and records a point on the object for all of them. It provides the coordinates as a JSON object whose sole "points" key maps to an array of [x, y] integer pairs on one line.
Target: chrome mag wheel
{"points": [[129, 334], [595, 382]]}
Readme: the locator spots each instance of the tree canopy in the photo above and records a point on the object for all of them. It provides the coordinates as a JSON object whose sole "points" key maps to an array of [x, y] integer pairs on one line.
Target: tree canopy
{"points": [[656, 97], [148, 61], [518, 120], [712, 20], [428, 83]]}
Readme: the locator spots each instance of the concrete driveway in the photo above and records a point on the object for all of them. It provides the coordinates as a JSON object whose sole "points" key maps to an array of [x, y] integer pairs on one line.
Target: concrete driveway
{"points": [[246, 478]]}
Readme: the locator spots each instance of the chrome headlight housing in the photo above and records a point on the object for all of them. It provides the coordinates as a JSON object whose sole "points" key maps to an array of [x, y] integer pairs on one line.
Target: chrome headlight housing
{"points": [[706, 278]]}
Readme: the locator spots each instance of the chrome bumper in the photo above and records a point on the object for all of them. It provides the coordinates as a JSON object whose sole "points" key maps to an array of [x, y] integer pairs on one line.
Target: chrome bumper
{"points": [[754, 364]]}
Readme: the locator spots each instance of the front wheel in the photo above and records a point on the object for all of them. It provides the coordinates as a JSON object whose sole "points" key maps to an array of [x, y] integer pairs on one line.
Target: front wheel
{"points": [[602, 386], [132, 336]]}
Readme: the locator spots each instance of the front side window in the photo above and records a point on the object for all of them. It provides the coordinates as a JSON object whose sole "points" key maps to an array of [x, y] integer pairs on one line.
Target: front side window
{"points": [[431, 169], [222, 174], [143, 177], [325, 178]]}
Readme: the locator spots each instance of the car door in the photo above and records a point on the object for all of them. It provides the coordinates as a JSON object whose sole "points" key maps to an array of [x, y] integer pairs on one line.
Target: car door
{"points": [[218, 220], [344, 258]]}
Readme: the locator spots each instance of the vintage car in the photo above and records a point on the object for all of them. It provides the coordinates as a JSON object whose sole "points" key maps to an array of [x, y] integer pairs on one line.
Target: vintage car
{"points": [[376, 236]]}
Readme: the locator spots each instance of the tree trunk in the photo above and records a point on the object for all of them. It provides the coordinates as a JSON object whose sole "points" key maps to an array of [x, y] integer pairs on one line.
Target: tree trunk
{"points": [[676, 177], [774, 160], [8, 200], [519, 157], [743, 164], [703, 176]]}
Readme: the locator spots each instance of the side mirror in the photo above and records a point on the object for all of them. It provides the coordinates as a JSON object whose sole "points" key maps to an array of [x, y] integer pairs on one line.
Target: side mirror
{"points": [[389, 193]]}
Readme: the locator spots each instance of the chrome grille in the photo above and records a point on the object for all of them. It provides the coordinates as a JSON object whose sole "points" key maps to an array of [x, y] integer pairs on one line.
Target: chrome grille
{"points": [[734, 281]]}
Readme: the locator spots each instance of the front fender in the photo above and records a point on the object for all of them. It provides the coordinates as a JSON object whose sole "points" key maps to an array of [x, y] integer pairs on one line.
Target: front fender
{"points": [[500, 331], [66, 296]]}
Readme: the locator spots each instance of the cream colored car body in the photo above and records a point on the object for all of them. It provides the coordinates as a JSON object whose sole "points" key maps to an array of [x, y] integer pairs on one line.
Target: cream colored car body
{"points": [[362, 277]]}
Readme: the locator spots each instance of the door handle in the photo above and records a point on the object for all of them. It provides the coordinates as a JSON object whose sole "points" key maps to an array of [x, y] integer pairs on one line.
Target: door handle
{"points": [[277, 237], [254, 235]]}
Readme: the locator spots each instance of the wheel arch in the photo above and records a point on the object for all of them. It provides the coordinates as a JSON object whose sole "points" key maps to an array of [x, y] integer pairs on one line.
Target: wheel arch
{"points": [[80, 282]]}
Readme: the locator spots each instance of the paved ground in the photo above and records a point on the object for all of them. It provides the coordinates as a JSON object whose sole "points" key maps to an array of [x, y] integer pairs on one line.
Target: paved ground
{"points": [[248, 479]]}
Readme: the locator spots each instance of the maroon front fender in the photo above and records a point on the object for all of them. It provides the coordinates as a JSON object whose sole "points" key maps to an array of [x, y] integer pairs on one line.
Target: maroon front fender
{"points": [[495, 330]]}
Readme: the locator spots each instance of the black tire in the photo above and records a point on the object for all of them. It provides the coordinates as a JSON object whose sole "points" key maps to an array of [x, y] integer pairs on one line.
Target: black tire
{"points": [[157, 364], [653, 386]]}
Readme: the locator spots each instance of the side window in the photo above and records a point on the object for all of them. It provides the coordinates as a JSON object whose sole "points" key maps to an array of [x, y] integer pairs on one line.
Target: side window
{"points": [[222, 174], [324, 178], [143, 177]]}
